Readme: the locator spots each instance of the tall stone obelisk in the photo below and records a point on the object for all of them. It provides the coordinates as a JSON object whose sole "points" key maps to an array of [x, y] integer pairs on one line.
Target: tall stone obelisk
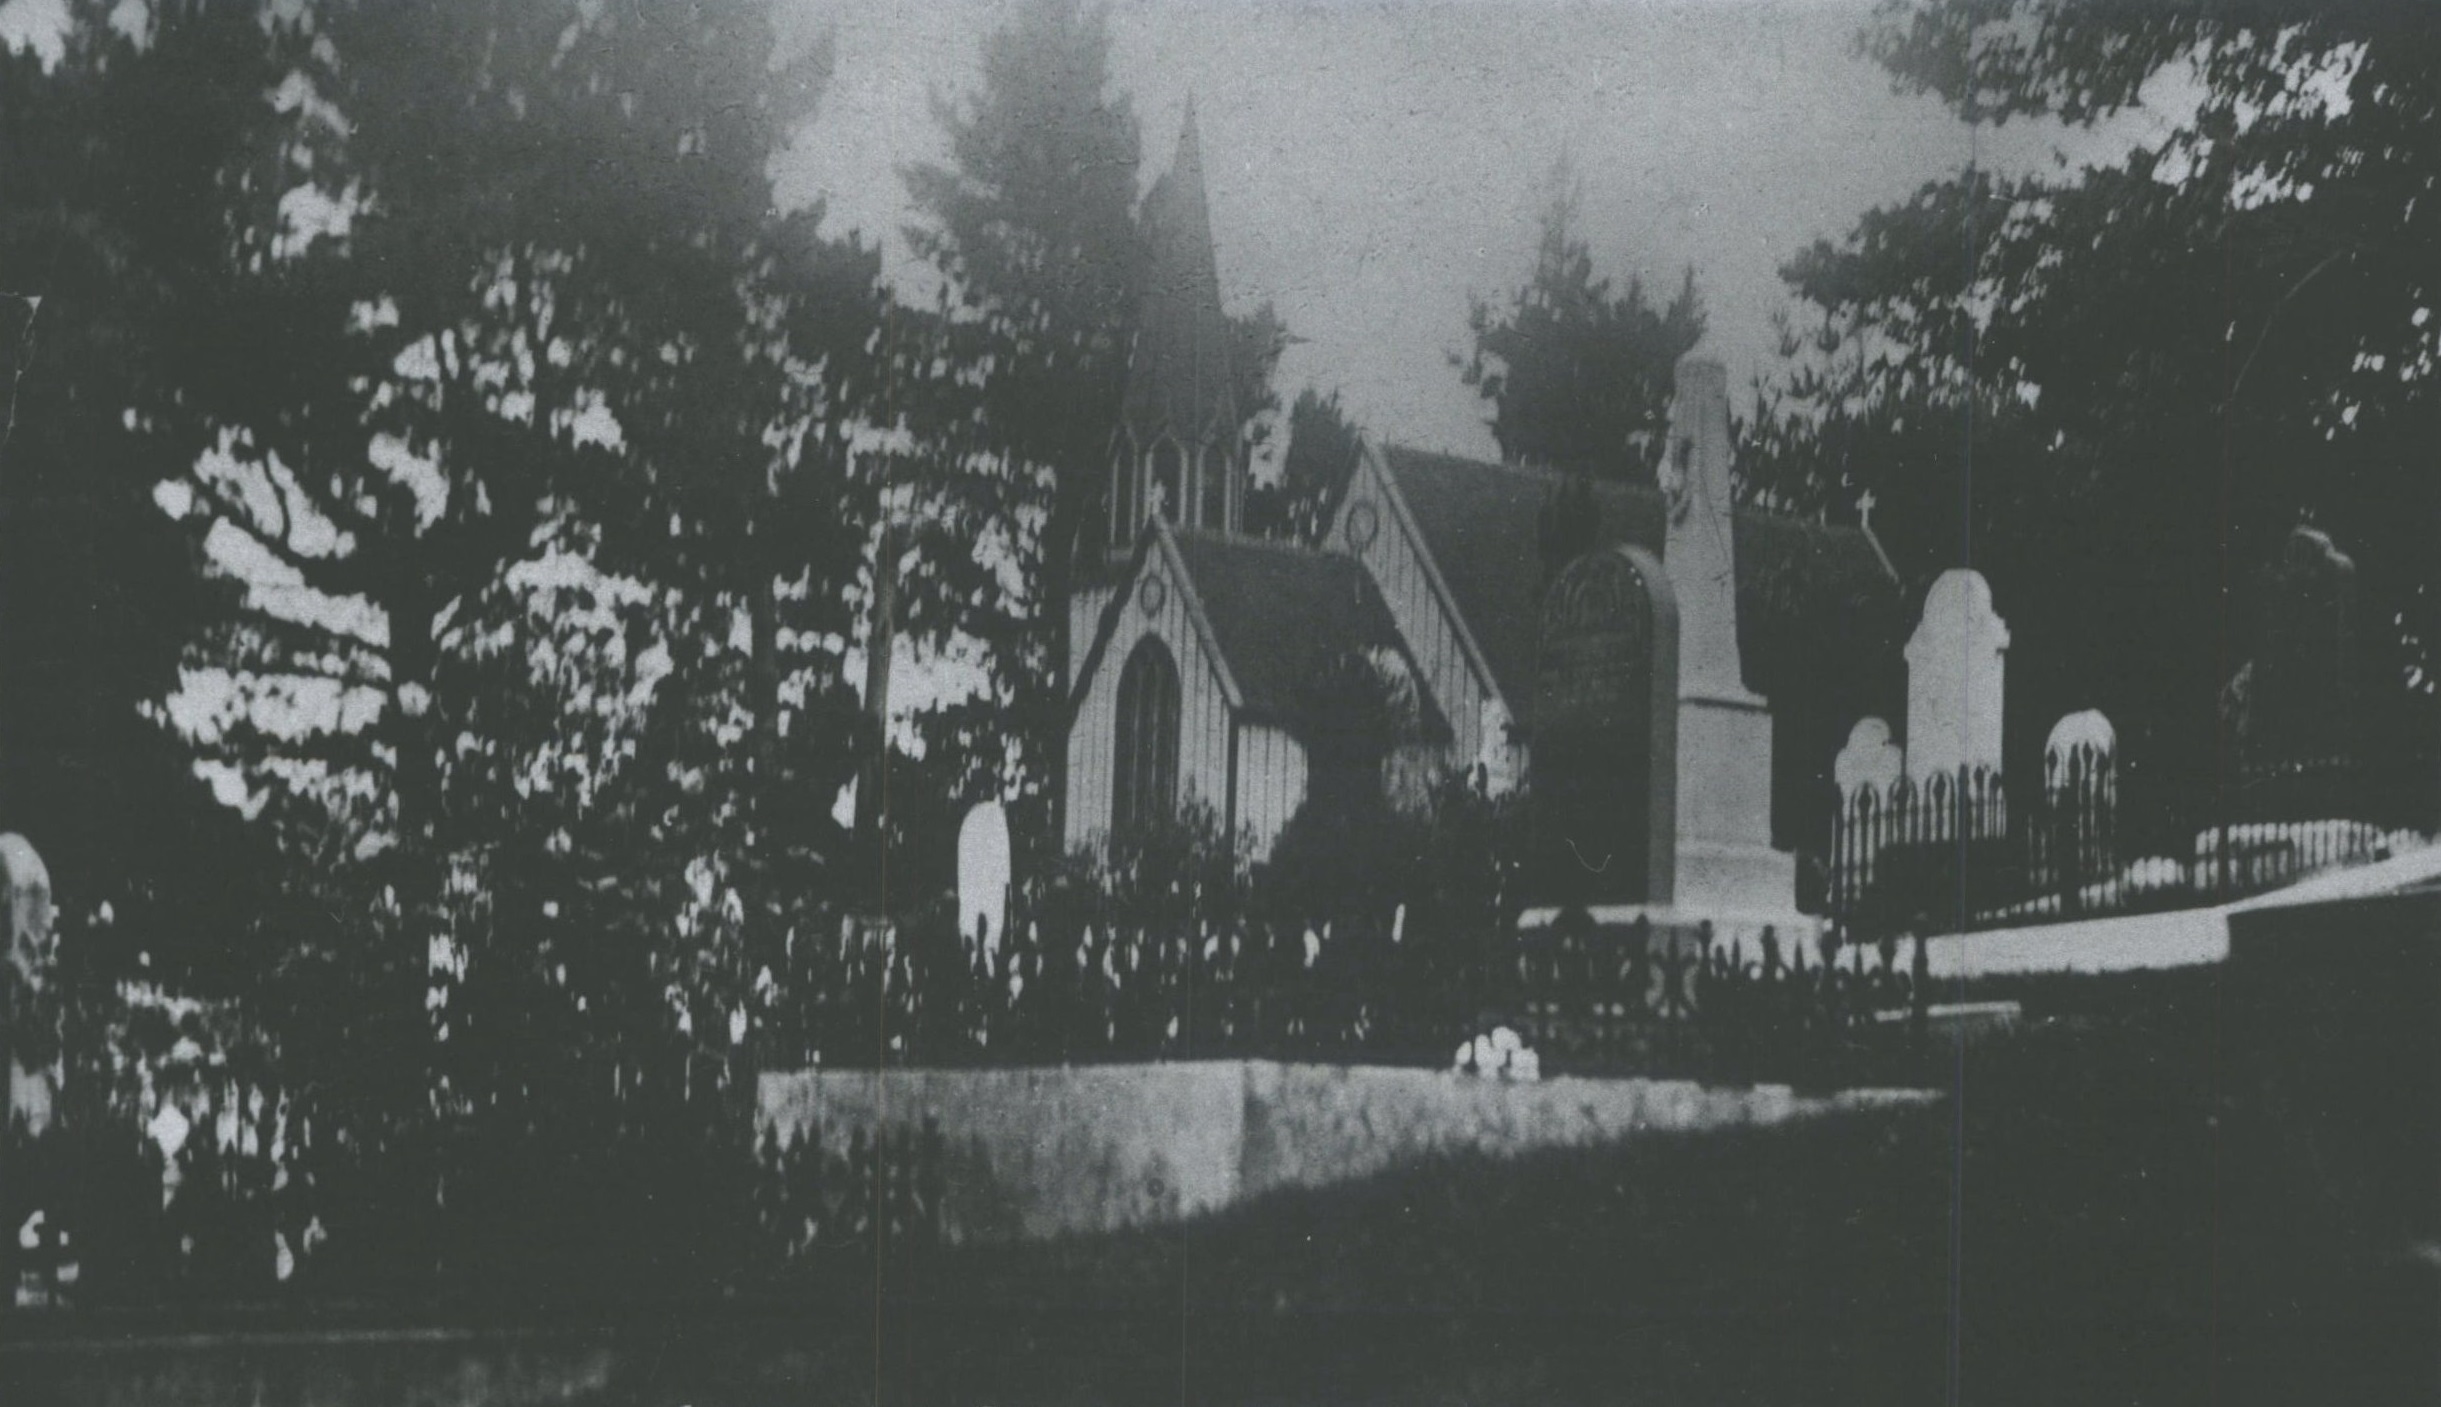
{"points": [[1726, 867]]}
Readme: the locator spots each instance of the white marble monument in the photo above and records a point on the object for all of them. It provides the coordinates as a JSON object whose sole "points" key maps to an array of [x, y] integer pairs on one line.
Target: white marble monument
{"points": [[1726, 867]]}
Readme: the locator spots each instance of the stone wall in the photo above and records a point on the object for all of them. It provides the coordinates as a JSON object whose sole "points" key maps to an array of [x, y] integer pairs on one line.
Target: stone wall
{"points": [[1039, 1152], [1031, 1152]]}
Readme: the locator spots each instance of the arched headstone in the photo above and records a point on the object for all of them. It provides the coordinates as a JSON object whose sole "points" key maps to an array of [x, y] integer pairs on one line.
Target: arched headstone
{"points": [[2085, 733], [1869, 761], [2076, 843], [1956, 670], [983, 875], [1605, 756]]}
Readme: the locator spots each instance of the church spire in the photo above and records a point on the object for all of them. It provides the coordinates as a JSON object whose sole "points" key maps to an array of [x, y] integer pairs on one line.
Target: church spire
{"points": [[1179, 381], [1178, 452]]}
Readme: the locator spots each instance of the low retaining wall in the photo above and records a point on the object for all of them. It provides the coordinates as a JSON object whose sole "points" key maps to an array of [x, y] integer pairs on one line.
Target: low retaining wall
{"points": [[2173, 938], [2134, 943], [1038, 1152]]}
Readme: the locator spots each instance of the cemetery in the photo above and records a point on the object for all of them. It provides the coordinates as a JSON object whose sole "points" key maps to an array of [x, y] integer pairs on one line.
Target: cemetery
{"points": [[761, 837], [1618, 941]]}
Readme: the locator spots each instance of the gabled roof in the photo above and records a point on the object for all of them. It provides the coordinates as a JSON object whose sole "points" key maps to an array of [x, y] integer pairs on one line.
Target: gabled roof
{"points": [[1178, 380], [1282, 613], [1799, 582], [1274, 615]]}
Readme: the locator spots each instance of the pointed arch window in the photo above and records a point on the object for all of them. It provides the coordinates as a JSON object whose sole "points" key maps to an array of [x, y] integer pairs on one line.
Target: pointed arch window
{"points": [[1216, 488], [1169, 484], [1145, 784], [1126, 506]]}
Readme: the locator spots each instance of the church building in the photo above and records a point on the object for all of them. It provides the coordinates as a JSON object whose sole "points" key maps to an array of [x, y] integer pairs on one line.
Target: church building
{"points": [[1197, 647]]}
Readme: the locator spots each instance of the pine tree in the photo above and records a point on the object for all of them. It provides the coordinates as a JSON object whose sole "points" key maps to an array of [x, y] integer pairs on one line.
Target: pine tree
{"points": [[1320, 458], [116, 192], [1032, 225], [1578, 377]]}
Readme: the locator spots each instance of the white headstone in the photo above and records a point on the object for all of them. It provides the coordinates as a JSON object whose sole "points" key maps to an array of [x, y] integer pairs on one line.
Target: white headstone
{"points": [[2086, 728], [1869, 761], [1956, 665], [27, 942], [983, 874], [25, 908]]}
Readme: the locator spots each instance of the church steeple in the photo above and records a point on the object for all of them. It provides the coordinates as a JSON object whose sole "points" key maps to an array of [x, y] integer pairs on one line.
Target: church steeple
{"points": [[1178, 450]]}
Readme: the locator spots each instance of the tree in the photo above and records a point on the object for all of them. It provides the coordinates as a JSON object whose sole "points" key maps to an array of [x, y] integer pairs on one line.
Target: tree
{"points": [[2115, 390], [1032, 225], [115, 192], [1347, 848], [1579, 378], [534, 484], [1323, 448]]}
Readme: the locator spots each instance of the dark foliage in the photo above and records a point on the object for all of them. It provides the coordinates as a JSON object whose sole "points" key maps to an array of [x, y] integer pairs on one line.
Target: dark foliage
{"points": [[2116, 390], [1323, 448], [1579, 377], [1034, 227], [2118, 1178], [116, 191]]}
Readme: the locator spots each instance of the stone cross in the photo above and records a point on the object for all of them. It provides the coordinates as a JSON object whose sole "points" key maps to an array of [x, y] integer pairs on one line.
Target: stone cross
{"points": [[1956, 667]]}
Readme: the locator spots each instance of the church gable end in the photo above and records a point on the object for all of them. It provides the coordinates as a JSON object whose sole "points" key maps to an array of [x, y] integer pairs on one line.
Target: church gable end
{"points": [[1153, 600], [1375, 527]]}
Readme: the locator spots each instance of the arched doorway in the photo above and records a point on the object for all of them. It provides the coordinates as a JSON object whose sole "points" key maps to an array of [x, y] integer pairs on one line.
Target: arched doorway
{"points": [[1145, 790]]}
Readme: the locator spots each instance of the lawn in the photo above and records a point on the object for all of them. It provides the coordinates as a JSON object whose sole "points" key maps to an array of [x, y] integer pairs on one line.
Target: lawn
{"points": [[2118, 1204]]}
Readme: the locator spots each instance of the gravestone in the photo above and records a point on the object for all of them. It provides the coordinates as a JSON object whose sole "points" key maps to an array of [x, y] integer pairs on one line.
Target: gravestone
{"points": [[1869, 762], [1604, 758], [1956, 668], [2300, 717], [28, 944], [1725, 865], [983, 875], [2085, 734], [2077, 833]]}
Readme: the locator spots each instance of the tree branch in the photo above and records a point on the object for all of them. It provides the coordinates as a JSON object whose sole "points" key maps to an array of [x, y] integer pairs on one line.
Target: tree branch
{"points": [[2230, 398]]}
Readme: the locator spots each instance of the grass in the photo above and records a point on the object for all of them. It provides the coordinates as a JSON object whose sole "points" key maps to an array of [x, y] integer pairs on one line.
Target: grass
{"points": [[2111, 1209], [2174, 1190]]}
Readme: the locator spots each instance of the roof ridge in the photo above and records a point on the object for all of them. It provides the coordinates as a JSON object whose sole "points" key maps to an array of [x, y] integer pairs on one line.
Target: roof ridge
{"points": [[1535, 473], [1267, 544]]}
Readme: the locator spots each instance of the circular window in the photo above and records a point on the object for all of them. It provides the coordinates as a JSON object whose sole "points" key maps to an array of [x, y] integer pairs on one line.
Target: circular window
{"points": [[1153, 595], [1364, 524]]}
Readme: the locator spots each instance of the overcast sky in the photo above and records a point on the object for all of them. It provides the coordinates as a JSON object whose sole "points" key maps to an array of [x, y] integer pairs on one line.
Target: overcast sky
{"points": [[1373, 164]]}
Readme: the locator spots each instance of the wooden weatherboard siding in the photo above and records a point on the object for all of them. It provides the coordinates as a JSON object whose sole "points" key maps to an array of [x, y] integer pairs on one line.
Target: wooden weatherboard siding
{"points": [[1394, 554], [1270, 784], [1165, 611], [1084, 617]]}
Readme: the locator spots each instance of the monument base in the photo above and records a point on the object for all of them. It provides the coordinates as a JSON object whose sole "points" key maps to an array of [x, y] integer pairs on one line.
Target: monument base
{"points": [[1734, 878], [1744, 928]]}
